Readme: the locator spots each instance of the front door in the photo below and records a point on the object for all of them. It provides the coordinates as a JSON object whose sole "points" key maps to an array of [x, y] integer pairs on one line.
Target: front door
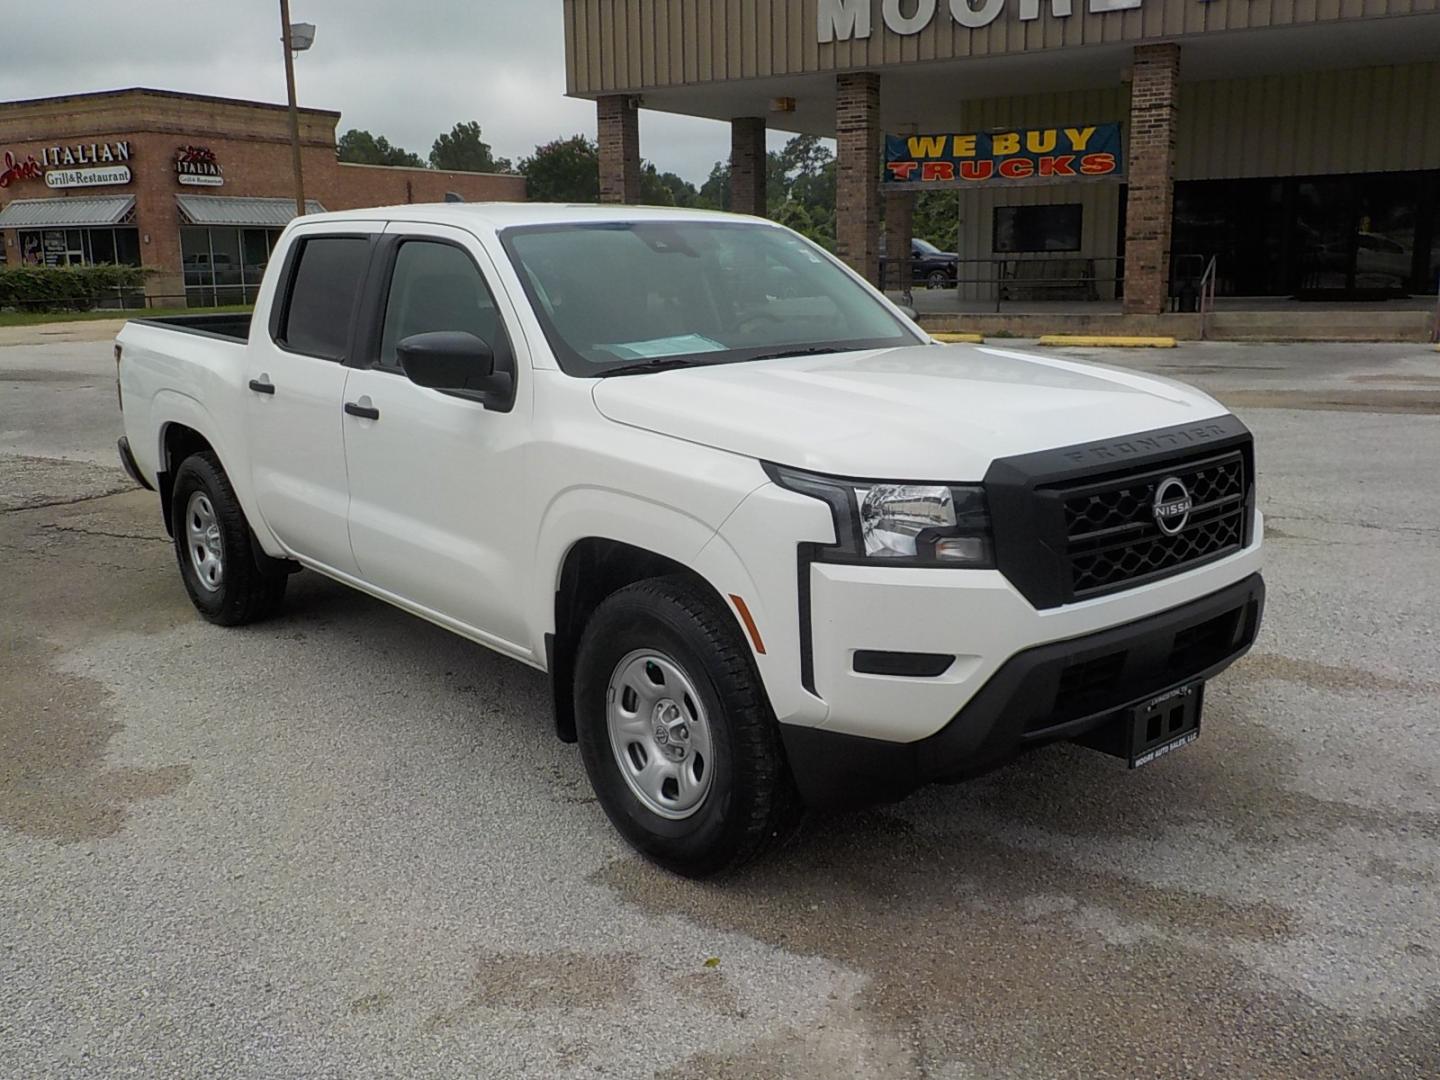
{"points": [[295, 386], [436, 513]]}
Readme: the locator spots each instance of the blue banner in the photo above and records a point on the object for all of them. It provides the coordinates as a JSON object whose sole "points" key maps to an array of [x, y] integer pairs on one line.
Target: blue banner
{"points": [[1022, 156]]}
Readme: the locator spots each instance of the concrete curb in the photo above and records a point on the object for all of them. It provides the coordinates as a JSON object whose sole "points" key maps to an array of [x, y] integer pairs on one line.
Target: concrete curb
{"points": [[1101, 341], [960, 339]]}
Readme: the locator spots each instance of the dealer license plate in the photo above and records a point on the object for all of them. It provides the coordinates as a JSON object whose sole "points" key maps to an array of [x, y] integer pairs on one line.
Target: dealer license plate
{"points": [[1165, 724]]}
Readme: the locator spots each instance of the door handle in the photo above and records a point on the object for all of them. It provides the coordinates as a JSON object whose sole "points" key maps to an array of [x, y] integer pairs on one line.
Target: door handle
{"points": [[365, 412], [262, 385]]}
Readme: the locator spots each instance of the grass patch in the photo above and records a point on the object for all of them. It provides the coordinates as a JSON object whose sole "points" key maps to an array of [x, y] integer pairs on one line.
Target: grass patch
{"points": [[39, 318]]}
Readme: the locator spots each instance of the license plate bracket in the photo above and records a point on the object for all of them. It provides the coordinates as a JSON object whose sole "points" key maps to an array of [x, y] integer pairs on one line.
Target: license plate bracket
{"points": [[1147, 732], [1164, 724]]}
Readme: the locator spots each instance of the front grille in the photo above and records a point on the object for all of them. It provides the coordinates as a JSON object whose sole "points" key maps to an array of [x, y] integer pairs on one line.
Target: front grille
{"points": [[1113, 541]]}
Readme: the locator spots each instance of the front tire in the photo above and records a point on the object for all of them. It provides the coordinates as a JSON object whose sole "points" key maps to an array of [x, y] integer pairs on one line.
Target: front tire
{"points": [[938, 279], [677, 735], [214, 548]]}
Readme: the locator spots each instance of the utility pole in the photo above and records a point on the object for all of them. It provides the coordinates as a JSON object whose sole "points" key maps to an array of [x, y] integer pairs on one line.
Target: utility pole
{"points": [[294, 111]]}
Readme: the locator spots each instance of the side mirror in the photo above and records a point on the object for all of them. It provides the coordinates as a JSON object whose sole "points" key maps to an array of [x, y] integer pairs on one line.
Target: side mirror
{"points": [[456, 363]]}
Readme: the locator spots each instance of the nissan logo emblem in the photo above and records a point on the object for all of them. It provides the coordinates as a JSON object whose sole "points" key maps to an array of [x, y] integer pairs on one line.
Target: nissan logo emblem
{"points": [[1172, 505]]}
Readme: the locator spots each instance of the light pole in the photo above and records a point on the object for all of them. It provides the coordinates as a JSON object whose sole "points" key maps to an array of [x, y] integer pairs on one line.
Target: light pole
{"points": [[296, 38]]}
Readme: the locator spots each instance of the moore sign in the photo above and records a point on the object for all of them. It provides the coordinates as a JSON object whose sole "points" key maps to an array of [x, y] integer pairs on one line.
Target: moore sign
{"points": [[841, 20]]}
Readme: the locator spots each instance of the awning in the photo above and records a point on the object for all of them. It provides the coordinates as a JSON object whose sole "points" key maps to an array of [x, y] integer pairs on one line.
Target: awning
{"points": [[239, 210], [76, 213]]}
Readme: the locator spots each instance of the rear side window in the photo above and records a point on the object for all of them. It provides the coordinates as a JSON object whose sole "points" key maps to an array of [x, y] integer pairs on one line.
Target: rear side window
{"points": [[327, 277]]}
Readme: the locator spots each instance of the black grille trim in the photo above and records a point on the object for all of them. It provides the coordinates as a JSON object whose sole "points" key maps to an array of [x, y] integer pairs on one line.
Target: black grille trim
{"points": [[1037, 540], [1113, 541]]}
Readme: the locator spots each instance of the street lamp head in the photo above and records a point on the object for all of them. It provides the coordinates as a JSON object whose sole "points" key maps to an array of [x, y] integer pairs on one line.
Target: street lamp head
{"points": [[302, 36]]}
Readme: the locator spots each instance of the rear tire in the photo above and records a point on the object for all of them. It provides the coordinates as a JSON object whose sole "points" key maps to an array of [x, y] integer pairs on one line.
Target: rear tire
{"points": [[214, 548], [661, 654]]}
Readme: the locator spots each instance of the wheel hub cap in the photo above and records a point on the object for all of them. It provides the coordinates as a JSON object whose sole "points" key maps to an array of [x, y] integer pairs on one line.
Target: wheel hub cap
{"points": [[659, 734], [204, 542]]}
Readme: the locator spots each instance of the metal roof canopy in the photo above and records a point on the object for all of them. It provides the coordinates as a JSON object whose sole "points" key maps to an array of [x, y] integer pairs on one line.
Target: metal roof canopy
{"points": [[72, 213], [240, 210]]}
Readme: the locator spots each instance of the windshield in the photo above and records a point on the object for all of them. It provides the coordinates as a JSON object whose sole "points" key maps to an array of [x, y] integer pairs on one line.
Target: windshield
{"points": [[616, 295], [927, 247]]}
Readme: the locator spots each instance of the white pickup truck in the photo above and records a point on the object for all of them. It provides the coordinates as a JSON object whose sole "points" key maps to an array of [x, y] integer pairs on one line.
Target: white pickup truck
{"points": [[773, 545]]}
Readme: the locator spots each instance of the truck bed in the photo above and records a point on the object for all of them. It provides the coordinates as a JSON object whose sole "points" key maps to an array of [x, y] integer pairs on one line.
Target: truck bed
{"points": [[233, 326]]}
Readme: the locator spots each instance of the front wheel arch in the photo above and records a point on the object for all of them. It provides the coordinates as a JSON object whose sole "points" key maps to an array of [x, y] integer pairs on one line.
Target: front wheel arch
{"points": [[594, 569]]}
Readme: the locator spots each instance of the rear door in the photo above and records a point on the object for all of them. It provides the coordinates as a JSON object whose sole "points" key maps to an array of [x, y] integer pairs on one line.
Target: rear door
{"points": [[296, 388], [436, 482]]}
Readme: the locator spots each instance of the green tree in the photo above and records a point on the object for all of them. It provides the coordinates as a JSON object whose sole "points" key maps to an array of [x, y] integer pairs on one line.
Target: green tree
{"points": [[682, 192], [565, 170], [937, 218], [715, 192], [805, 155], [801, 188], [653, 191], [362, 148], [463, 150]]}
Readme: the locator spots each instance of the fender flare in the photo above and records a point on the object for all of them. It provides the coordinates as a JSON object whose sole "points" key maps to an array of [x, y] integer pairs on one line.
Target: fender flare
{"points": [[594, 512], [170, 407]]}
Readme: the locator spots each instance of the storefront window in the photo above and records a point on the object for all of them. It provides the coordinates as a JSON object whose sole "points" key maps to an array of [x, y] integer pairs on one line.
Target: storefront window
{"points": [[255, 247], [1365, 236], [224, 265], [1240, 223], [1020, 229], [80, 247], [225, 262]]}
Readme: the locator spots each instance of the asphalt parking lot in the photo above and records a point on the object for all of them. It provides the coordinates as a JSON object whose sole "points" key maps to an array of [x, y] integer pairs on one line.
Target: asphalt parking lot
{"points": [[345, 843]]}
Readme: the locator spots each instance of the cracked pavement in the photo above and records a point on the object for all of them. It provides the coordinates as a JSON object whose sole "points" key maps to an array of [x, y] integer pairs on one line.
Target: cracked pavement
{"points": [[345, 843]]}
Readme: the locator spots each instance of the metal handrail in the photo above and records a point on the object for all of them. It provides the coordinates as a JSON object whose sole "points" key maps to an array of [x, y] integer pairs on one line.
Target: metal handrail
{"points": [[1207, 294], [1435, 329], [1002, 275]]}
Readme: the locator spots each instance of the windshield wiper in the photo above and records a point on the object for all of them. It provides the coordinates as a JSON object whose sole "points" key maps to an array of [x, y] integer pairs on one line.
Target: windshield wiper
{"points": [[643, 367], [809, 350]]}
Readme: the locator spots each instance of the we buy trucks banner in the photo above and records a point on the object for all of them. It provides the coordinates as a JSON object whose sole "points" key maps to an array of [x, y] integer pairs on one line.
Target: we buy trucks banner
{"points": [[1023, 156]]}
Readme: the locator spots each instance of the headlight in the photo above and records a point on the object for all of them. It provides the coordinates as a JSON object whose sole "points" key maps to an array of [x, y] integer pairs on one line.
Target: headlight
{"points": [[900, 524]]}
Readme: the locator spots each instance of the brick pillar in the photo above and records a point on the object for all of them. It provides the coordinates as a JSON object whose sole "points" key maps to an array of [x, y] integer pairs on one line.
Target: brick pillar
{"points": [[899, 230], [158, 219], [857, 192], [619, 130], [747, 165], [1151, 198]]}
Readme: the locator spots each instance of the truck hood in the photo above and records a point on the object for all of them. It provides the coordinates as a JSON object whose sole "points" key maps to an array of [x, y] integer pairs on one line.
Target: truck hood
{"points": [[924, 412]]}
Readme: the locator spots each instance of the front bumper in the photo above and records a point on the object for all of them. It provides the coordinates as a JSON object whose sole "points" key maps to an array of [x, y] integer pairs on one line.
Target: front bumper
{"points": [[1048, 693]]}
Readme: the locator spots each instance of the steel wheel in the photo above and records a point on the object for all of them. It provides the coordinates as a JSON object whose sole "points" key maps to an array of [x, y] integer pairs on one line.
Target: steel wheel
{"points": [[207, 549], [659, 734]]}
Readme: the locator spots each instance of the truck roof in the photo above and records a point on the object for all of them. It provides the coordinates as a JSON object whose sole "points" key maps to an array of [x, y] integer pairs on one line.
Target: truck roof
{"points": [[501, 215]]}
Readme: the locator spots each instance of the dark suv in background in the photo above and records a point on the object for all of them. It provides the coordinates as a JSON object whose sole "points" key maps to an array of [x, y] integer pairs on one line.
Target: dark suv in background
{"points": [[929, 266]]}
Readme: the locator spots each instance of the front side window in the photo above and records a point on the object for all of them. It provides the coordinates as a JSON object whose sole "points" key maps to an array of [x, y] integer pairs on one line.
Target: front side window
{"points": [[616, 296], [327, 277], [437, 286]]}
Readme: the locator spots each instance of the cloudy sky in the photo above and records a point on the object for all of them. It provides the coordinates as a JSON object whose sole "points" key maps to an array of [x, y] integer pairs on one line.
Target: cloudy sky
{"points": [[407, 69]]}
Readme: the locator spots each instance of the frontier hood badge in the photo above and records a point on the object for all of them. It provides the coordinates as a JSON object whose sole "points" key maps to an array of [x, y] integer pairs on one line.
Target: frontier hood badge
{"points": [[1172, 505]]}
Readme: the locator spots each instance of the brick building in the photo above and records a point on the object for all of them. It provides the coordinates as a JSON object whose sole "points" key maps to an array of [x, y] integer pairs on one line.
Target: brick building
{"points": [[1103, 150], [194, 188]]}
